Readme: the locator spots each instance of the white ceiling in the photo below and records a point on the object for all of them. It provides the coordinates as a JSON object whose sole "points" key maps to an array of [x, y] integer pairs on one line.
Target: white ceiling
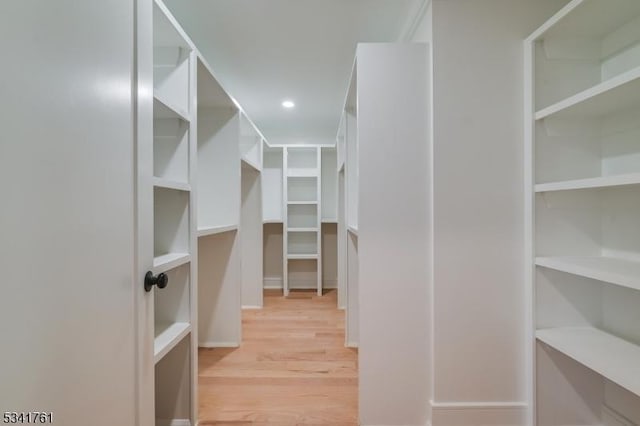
{"points": [[265, 51]]}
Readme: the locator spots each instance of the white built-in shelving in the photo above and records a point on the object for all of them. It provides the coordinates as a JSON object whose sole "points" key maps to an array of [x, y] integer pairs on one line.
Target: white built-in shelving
{"points": [[218, 156], [300, 216], [163, 108], [272, 221], [302, 221], [622, 272], [169, 261], [341, 142], [598, 182], [174, 233], [272, 215], [212, 230], [582, 132], [347, 144], [596, 350], [329, 184], [168, 336], [171, 184], [302, 256], [272, 178], [251, 143], [386, 202], [252, 234], [221, 125], [303, 203]]}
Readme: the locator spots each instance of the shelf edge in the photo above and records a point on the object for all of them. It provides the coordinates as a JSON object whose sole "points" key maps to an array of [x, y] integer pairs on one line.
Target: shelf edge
{"points": [[250, 164], [589, 183], [176, 333], [176, 110], [560, 264], [590, 93], [213, 230], [170, 261]]}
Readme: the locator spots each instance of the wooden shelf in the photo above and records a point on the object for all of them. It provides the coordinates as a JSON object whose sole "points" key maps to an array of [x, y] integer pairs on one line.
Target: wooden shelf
{"points": [[615, 359], [167, 337], [212, 230], [303, 173], [598, 182], [620, 92], [169, 261], [247, 161], [302, 256], [621, 272], [171, 184], [164, 108], [302, 229]]}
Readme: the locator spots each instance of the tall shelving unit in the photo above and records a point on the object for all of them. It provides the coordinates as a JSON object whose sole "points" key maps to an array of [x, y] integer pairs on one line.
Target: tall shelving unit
{"points": [[329, 209], [386, 219], [341, 230], [272, 178], [302, 218], [174, 275], [583, 211], [218, 200], [351, 190], [272, 215], [251, 232]]}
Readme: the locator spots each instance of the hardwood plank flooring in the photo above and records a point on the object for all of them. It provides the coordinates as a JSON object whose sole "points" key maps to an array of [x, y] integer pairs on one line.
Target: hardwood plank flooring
{"points": [[291, 369]]}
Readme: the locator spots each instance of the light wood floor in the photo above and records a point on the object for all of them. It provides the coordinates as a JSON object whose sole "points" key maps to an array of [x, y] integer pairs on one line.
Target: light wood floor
{"points": [[292, 367]]}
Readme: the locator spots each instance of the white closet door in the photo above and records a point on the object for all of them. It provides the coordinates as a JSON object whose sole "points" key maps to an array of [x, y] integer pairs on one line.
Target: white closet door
{"points": [[67, 211]]}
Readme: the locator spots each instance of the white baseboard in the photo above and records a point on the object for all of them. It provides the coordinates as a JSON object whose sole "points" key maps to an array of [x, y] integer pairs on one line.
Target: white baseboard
{"points": [[218, 345], [251, 307], [275, 283], [272, 283], [173, 422], [479, 413]]}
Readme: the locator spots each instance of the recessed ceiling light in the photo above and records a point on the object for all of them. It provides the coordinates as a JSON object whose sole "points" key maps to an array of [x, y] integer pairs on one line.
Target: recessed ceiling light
{"points": [[288, 104]]}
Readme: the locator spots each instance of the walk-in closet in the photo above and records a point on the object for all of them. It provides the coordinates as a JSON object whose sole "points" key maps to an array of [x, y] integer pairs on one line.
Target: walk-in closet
{"points": [[320, 212]]}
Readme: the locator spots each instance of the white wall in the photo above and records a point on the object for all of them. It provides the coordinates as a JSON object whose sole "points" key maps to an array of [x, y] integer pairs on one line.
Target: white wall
{"points": [[479, 304]]}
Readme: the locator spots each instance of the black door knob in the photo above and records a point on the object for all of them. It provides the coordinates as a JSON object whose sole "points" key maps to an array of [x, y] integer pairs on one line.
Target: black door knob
{"points": [[161, 280]]}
